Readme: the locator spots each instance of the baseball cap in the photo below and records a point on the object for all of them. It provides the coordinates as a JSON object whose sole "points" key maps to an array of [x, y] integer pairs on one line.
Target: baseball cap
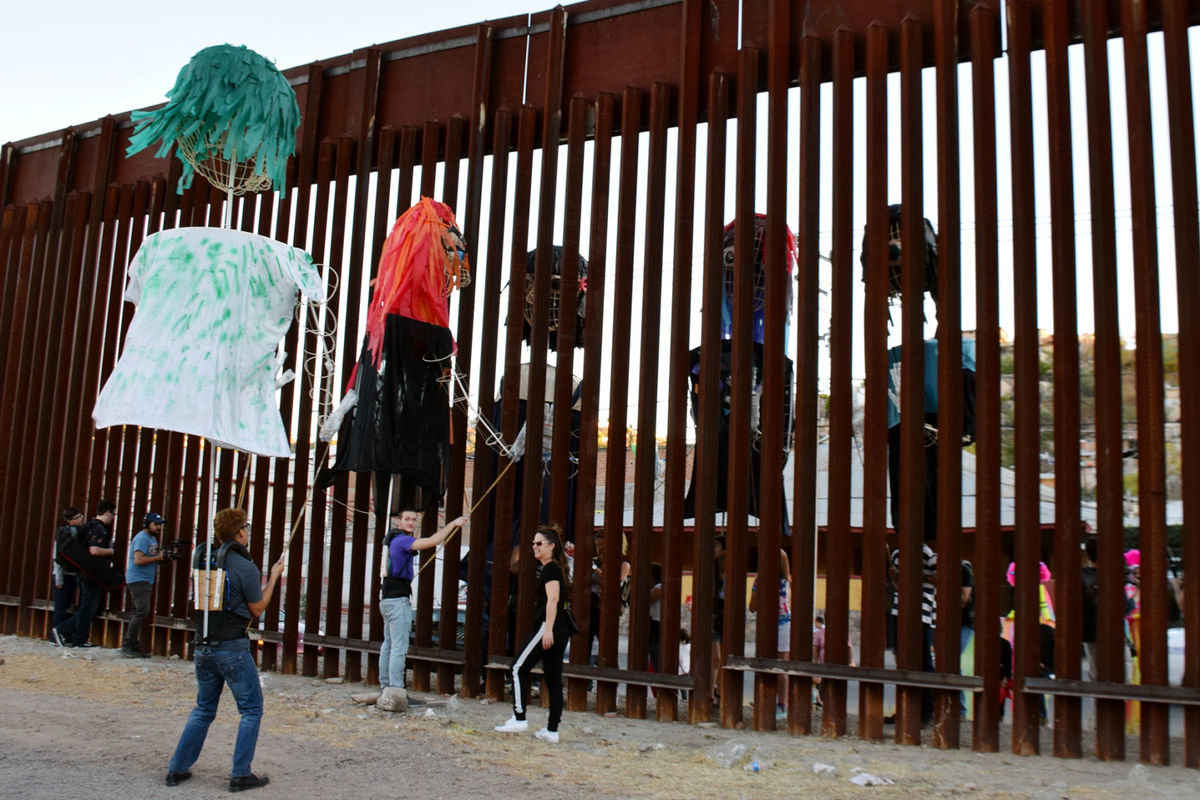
{"points": [[153, 516]]}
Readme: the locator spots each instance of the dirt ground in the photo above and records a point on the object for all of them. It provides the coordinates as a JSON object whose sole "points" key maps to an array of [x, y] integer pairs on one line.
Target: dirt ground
{"points": [[89, 722]]}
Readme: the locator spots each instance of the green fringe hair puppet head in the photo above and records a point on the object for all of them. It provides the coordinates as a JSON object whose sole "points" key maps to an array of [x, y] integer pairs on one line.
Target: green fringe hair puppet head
{"points": [[229, 105]]}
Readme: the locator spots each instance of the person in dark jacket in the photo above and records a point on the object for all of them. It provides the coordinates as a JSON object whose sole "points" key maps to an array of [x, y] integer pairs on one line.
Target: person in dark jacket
{"points": [[1090, 589], [75, 631], [65, 580]]}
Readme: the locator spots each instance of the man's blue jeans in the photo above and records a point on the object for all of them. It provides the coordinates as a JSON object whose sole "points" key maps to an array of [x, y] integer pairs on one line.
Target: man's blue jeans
{"points": [[228, 663], [397, 624]]}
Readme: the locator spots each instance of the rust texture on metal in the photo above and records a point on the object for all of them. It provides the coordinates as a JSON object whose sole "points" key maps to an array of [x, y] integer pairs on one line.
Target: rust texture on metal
{"points": [[586, 553], [1148, 623], [615, 544], [911, 645], [1110, 715], [804, 510], [1180, 109], [1068, 599], [875, 549], [564, 381], [988, 563], [585, 99], [1025, 644], [841, 397], [949, 373], [486, 469], [677, 351], [741, 392], [705, 652], [771, 569], [641, 635]]}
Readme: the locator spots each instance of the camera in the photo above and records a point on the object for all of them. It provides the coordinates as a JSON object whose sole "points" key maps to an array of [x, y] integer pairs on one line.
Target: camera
{"points": [[173, 550]]}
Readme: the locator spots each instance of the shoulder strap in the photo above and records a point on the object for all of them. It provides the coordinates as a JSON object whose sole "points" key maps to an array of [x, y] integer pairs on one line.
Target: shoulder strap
{"points": [[222, 553], [226, 549], [385, 563]]}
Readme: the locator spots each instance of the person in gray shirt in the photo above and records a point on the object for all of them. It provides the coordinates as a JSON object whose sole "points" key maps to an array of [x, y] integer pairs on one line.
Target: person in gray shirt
{"points": [[223, 657]]}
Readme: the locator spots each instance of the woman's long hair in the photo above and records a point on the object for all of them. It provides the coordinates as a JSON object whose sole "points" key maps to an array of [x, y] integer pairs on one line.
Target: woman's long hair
{"points": [[553, 534]]}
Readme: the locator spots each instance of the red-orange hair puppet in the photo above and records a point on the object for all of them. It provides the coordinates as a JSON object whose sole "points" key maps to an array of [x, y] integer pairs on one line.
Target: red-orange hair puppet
{"points": [[423, 260]]}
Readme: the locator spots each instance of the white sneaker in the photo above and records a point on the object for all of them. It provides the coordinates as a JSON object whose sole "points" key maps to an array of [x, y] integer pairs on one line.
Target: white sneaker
{"points": [[547, 735], [513, 725]]}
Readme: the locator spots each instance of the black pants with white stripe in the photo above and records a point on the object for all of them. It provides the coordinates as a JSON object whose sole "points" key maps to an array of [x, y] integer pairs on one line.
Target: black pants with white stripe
{"points": [[522, 672]]}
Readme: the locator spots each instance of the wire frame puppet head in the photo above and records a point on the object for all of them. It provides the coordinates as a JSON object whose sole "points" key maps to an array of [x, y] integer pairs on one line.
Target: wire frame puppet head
{"points": [[729, 260], [554, 301], [232, 117], [226, 174], [895, 254]]}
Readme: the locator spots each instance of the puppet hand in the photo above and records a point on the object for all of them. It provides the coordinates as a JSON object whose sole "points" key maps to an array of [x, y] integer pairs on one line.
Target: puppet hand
{"points": [[547, 640]]}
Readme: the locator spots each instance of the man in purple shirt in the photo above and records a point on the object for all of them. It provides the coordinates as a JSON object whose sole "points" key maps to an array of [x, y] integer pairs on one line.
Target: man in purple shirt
{"points": [[395, 603]]}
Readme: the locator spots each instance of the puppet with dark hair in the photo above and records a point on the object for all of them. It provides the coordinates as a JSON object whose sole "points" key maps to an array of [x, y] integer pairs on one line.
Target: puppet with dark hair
{"points": [[929, 265], [755, 477]]}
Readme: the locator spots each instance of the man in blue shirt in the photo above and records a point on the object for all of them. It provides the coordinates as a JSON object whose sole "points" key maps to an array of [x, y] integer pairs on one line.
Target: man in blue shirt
{"points": [[223, 657], [395, 604], [144, 558]]}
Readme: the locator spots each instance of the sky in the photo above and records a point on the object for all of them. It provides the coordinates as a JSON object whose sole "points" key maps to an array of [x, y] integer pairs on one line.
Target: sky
{"points": [[73, 61]]}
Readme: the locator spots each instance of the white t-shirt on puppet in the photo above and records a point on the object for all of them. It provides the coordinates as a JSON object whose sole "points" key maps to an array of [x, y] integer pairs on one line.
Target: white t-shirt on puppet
{"points": [[199, 356]]}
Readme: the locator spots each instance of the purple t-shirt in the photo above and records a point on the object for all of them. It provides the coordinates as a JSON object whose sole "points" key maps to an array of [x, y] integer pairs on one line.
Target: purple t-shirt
{"points": [[401, 554]]}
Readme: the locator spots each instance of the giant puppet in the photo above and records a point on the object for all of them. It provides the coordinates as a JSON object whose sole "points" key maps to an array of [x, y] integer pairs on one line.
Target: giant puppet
{"points": [[929, 283], [213, 303], [755, 478], [201, 354], [397, 411], [539, 447]]}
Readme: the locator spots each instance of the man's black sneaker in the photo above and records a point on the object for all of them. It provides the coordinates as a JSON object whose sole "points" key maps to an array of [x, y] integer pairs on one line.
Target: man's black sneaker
{"points": [[56, 639], [414, 702], [244, 782], [132, 652], [176, 778], [85, 644]]}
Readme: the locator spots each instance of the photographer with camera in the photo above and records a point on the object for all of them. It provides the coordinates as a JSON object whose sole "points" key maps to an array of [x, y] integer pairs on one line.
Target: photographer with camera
{"points": [[145, 554]]}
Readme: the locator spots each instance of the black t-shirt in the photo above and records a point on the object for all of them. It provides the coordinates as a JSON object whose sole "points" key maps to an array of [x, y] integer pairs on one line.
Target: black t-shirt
{"points": [[968, 581], [1087, 580], [98, 534], [547, 573]]}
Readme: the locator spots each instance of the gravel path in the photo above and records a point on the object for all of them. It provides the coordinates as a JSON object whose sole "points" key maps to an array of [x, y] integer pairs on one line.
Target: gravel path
{"points": [[90, 723]]}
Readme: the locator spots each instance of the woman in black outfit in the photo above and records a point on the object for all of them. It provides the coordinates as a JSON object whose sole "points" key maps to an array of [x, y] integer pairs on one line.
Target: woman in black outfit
{"points": [[549, 637]]}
